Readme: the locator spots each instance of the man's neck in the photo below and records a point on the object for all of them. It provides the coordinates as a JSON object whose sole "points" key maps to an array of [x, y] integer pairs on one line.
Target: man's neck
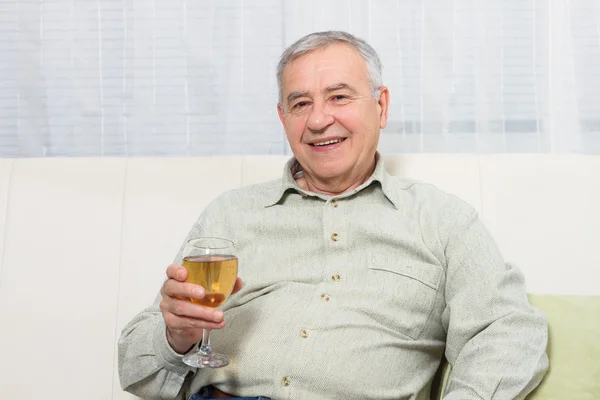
{"points": [[334, 186]]}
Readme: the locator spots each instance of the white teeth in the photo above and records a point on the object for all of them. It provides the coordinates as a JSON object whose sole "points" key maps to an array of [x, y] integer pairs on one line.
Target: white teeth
{"points": [[328, 142]]}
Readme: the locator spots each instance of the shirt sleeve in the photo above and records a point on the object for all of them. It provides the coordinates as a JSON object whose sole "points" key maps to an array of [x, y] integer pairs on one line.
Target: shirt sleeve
{"points": [[496, 341], [148, 366]]}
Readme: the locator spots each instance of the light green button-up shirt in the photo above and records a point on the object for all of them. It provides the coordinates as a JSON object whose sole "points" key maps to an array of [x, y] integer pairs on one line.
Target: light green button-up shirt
{"points": [[356, 296]]}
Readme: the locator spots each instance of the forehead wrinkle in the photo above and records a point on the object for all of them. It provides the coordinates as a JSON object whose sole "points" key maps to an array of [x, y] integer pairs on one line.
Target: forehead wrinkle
{"points": [[311, 73], [296, 94]]}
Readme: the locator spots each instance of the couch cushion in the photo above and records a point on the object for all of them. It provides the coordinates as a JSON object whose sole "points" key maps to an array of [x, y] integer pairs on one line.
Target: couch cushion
{"points": [[58, 299], [573, 348], [542, 210]]}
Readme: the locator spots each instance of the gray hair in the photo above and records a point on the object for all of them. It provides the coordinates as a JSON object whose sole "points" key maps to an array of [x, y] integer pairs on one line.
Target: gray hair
{"points": [[319, 40]]}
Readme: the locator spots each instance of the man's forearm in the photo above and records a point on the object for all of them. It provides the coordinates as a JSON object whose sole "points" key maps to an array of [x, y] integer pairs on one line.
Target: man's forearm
{"points": [[148, 366]]}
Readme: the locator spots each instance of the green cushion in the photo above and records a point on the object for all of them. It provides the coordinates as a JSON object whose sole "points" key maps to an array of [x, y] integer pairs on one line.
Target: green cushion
{"points": [[573, 350], [573, 347], [440, 381]]}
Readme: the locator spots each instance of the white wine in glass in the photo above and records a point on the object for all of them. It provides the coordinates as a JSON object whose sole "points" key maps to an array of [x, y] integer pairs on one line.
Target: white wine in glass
{"points": [[210, 263]]}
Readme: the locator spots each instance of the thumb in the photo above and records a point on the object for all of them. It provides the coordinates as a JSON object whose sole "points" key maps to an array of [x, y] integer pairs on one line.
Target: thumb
{"points": [[238, 285]]}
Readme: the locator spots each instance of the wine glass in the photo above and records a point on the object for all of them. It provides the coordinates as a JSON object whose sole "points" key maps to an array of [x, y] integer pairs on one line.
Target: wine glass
{"points": [[210, 263]]}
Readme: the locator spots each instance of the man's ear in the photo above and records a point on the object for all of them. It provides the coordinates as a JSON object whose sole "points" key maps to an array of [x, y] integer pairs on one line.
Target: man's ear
{"points": [[383, 104], [281, 114]]}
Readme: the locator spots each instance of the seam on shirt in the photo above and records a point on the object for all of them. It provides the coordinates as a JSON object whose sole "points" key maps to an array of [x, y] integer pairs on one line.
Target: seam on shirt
{"points": [[495, 391], [452, 227], [423, 241], [461, 261], [431, 250]]}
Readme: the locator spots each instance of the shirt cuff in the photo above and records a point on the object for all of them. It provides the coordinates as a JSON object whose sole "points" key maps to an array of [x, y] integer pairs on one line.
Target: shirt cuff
{"points": [[171, 360]]}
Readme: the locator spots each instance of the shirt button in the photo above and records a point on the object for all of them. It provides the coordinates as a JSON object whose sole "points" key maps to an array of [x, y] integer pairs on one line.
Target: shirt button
{"points": [[324, 297], [335, 277], [286, 381], [334, 203], [334, 237], [303, 334]]}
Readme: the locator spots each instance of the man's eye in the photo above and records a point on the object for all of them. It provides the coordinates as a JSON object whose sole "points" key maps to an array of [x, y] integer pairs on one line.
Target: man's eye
{"points": [[300, 104], [339, 97]]}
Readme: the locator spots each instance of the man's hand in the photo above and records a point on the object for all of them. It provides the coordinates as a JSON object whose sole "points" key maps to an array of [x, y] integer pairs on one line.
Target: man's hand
{"points": [[184, 319]]}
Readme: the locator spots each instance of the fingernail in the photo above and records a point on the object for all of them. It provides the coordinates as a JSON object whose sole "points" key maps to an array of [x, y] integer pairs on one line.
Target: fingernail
{"points": [[218, 315], [198, 293], [180, 275]]}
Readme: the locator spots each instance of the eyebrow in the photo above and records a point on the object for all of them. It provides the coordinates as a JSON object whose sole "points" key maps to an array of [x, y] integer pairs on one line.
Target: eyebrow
{"points": [[338, 86], [296, 95]]}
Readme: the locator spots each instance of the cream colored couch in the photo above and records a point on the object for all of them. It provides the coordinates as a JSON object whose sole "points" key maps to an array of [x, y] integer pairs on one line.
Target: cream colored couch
{"points": [[84, 244]]}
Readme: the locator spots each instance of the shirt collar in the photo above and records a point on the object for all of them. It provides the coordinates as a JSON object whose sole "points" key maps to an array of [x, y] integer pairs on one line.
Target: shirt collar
{"points": [[380, 175]]}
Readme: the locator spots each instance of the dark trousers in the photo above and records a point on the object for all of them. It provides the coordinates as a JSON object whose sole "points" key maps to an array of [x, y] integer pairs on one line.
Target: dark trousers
{"points": [[206, 394]]}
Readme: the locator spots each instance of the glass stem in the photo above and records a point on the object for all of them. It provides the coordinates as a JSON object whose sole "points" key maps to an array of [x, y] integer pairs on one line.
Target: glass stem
{"points": [[205, 349]]}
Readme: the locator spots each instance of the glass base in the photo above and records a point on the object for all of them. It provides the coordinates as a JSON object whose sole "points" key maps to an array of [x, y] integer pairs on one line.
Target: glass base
{"points": [[199, 360]]}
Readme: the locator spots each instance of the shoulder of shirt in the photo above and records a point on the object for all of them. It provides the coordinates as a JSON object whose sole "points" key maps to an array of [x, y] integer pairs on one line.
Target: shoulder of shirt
{"points": [[429, 195], [246, 197]]}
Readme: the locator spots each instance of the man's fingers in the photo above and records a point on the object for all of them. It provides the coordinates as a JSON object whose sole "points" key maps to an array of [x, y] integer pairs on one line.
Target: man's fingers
{"points": [[183, 318], [180, 290], [192, 323], [177, 272], [184, 308], [238, 285], [184, 325]]}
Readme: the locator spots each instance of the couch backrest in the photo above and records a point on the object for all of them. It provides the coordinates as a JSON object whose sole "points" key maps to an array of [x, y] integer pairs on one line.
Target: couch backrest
{"points": [[84, 244]]}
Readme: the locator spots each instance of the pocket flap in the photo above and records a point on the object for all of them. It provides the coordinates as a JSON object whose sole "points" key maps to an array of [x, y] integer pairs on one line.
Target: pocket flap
{"points": [[428, 274]]}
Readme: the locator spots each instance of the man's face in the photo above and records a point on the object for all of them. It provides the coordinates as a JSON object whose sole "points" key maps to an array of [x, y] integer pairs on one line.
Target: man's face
{"points": [[331, 119]]}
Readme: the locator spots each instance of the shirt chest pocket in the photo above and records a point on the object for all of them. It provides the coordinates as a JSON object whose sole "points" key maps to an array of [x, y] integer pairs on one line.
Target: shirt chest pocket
{"points": [[406, 292]]}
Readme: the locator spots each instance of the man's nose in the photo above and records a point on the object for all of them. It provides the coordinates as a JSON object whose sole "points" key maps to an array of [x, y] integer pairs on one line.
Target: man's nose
{"points": [[319, 118]]}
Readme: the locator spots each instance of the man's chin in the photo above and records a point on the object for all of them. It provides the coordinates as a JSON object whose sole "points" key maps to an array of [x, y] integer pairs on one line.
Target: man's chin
{"points": [[326, 167], [329, 172]]}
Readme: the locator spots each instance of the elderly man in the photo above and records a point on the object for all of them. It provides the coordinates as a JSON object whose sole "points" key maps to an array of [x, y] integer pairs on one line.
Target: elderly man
{"points": [[356, 283]]}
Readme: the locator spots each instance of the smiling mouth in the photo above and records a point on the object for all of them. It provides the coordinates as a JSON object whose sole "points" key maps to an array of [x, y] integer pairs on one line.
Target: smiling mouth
{"points": [[328, 142]]}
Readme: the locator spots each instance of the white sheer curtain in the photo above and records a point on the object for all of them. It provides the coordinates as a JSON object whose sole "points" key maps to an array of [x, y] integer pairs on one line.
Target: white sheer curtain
{"points": [[196, 77]]}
